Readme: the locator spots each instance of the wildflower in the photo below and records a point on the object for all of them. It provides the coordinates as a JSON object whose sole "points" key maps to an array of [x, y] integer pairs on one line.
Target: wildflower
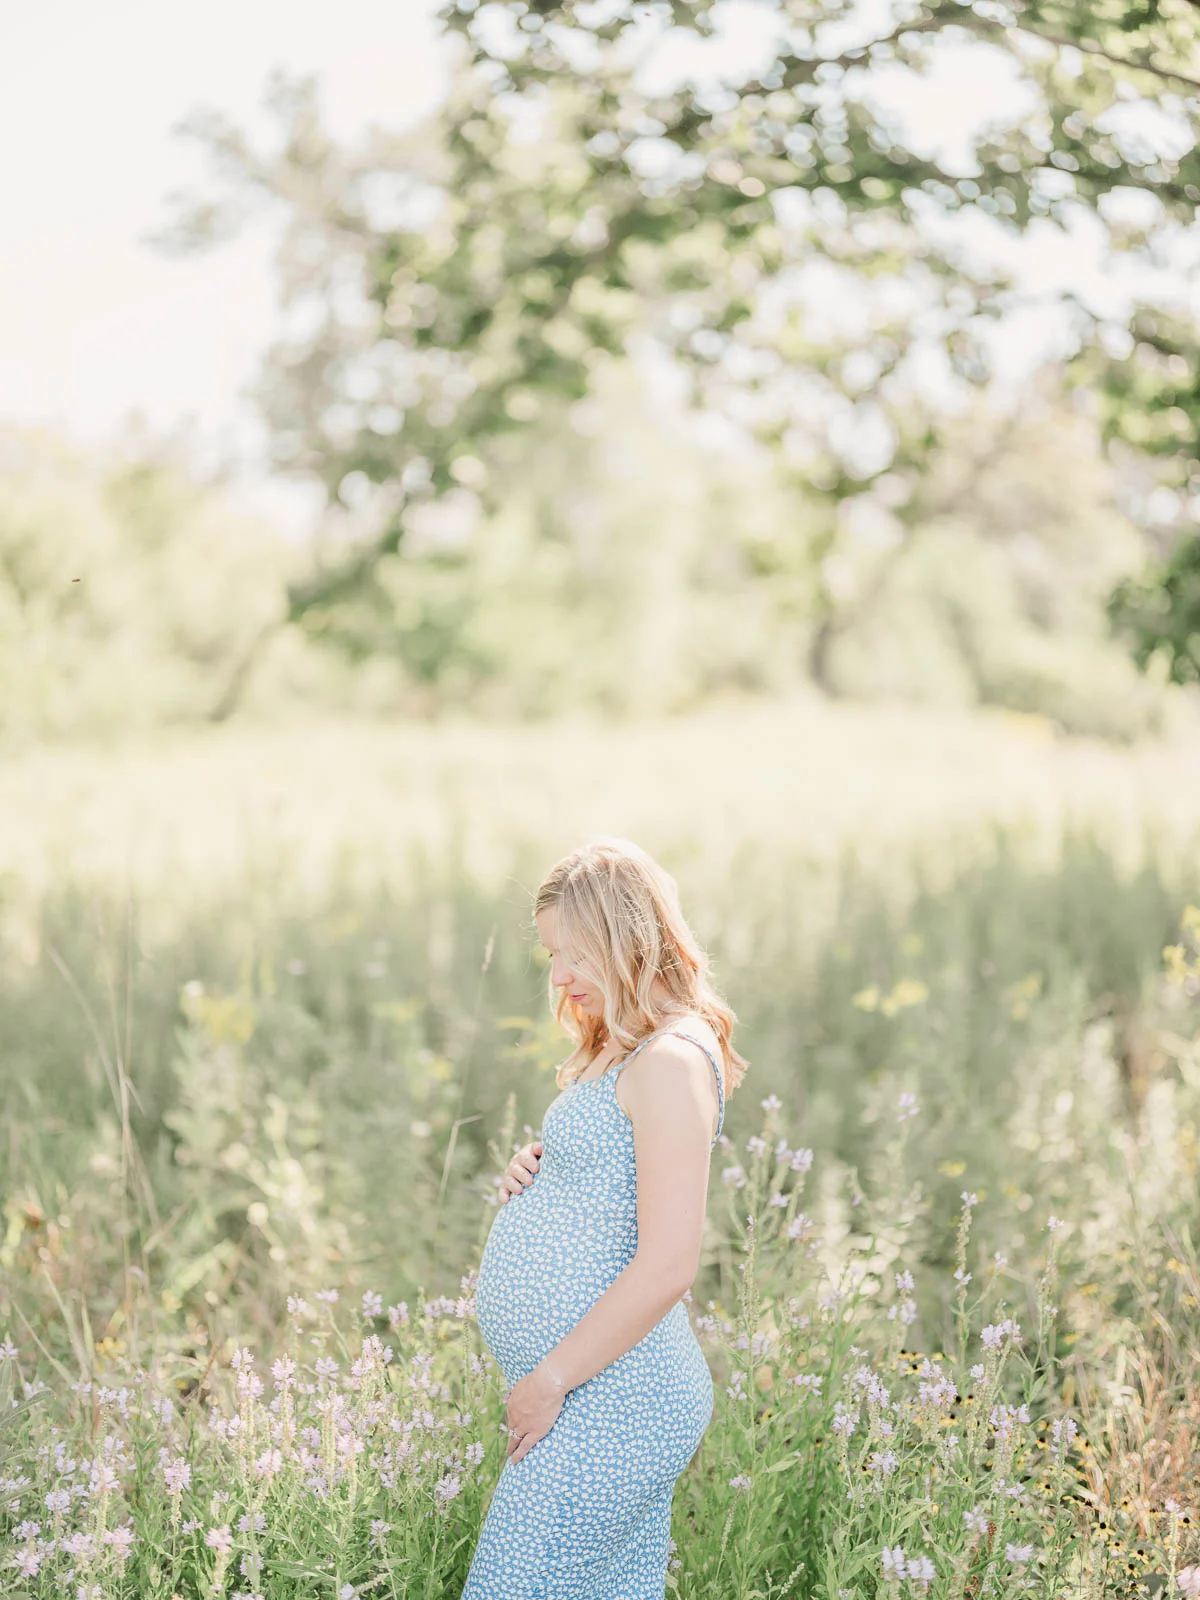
{"points": [[219, 1539], [756, 1145], [809, 1381], [740, 1482], [28, 1561], [995, 1333], [798, 1226], [1055, 1223], [242, 1360], [969, 1198], [779, 1200], [801, 1160], [884, 1461], [844, 1422], [120, 1539], [8, 1350], [447, 1487], [268, 1464], [733, 1177], [962, 1278], [379, 1530], [104, 1478], [906, 1107], [58, 1501], [372, 1305], [1018, 1554], [298, 1307], [473, 1454], [1062, 1431], [346, 1592], [177, 1475], [283, 1371], [327, 1297], [1004, 1418], [895, 1563], [772, 1104], [252, 1524], [250, 1385], [975, 1520], [397, 1315], [921, 1570], [1188, 1582]]}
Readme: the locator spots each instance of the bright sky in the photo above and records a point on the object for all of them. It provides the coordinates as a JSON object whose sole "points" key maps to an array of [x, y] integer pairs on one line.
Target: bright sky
{"points": [[95, 324]]}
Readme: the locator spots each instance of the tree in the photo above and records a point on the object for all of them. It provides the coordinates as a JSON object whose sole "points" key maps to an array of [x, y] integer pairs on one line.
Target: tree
{"points": [[452, 286]]}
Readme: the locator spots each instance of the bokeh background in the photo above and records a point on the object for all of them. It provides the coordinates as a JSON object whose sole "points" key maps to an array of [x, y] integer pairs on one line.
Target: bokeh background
{"points": [[429, 437]]}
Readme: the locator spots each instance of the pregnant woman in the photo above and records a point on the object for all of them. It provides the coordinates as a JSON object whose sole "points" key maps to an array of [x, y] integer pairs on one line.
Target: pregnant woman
{"points": [[582, 1277]]}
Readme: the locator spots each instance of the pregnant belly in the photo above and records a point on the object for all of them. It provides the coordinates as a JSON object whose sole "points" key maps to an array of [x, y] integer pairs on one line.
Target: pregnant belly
{"points": [[547, 1260]]}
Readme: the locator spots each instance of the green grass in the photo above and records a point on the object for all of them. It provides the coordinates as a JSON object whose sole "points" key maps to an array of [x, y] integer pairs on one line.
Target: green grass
{"points": [[249, 1060]]}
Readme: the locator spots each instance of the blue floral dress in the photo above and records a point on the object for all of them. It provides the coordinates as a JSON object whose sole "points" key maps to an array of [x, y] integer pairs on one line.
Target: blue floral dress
{"points": [[586, 1515]]}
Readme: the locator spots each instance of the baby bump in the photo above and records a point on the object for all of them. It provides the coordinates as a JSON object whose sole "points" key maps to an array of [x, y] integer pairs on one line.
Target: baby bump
{"points": [[545, 1264]]}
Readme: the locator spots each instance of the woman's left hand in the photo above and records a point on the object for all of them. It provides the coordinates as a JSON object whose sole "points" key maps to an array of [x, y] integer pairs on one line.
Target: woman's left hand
{"points": [[534, 1403]]}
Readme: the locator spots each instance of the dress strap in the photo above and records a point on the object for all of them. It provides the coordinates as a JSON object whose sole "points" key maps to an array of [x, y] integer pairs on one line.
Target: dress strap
{"points": [[613, 1072]]}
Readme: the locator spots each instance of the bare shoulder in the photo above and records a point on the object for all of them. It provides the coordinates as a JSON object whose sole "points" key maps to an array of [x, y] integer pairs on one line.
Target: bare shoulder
{"points": [[670, 1069]]}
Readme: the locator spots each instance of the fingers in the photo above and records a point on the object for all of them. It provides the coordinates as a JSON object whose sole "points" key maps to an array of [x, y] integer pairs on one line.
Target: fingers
{"points": [[525, 1445], [526, 1160]]}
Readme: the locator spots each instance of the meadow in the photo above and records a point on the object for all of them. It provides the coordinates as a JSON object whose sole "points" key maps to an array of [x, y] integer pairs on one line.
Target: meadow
{"points": [[273, 1019]]}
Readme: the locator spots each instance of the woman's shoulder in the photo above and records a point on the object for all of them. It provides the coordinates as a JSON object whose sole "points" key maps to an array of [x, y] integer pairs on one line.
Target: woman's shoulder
{"points": [[674, 1035]]}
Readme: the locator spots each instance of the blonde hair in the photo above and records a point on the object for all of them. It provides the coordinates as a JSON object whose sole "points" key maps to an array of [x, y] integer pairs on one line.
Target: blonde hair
{"points": [[620, 927]]}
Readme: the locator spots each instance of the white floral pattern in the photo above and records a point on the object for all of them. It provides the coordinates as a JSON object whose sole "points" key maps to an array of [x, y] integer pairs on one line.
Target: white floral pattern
{"points": [[586, 1515]]}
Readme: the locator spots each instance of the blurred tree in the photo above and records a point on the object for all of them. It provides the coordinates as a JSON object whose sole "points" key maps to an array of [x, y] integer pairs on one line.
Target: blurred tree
{"points": [[598, 178], [130, 595], [1161, 610]]}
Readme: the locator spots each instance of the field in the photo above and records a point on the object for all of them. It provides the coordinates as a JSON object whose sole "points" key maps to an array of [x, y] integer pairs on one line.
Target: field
{"points": [[272, 1019]]}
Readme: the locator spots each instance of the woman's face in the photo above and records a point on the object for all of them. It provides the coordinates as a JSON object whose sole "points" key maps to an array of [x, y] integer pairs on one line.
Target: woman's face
{"points": [[577, 989]]}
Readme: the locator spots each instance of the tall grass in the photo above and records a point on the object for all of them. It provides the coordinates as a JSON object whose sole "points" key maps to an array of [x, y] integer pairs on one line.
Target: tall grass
{"points": [[227, 1096]]}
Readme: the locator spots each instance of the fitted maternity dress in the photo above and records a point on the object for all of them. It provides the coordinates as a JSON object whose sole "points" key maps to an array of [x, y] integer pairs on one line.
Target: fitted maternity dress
{"points": [[586, 1515]]}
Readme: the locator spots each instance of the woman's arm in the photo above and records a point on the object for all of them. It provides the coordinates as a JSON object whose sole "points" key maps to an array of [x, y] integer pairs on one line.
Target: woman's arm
{"points": [[670, 1097]]}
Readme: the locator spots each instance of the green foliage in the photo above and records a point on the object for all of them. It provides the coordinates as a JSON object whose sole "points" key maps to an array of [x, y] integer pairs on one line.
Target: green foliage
{"points": [[243, 1096], [457, 287], [1161, 610], [130, 595]]}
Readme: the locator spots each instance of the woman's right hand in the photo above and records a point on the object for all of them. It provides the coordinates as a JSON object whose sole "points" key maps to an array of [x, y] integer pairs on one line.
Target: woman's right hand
{"points": [[521, 1170]]}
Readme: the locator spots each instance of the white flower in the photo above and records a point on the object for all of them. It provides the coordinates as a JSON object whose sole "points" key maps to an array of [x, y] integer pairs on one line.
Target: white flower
{"points": [[1018, 1554], [772, 1103], [895, 1563], [995, 1333], [1188, 1582], [921, 1570]]}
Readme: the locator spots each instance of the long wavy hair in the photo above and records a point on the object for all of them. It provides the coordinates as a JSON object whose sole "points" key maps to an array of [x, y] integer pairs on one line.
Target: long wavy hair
{"points": [[620, 927]]}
